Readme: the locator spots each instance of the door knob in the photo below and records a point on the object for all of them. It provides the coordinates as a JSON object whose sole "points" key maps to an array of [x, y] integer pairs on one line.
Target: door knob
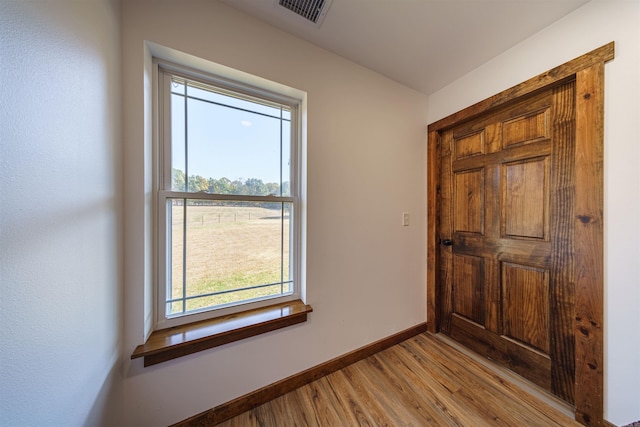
{"points": [[446, 242]]}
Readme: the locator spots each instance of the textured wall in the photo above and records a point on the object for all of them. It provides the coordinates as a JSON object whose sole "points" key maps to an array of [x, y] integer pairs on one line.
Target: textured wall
{"points": [[60, 213]]}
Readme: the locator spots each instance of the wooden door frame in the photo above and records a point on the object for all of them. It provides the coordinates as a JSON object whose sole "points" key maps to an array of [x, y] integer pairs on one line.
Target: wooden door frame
{"points": [[588, 73]]}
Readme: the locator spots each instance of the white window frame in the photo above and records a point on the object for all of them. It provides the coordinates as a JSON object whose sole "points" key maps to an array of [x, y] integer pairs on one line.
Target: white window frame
{"points": [[162, 189]]}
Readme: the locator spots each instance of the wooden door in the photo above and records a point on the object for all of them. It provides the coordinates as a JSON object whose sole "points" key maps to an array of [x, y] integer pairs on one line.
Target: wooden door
{"points": [[501, 242], [507, 237]]}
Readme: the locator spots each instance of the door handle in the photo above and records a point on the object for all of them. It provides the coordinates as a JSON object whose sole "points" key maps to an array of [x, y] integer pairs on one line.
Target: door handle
{"points": [[446, 242]]}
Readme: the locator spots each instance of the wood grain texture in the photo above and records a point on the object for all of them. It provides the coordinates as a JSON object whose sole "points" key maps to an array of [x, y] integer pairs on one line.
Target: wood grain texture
{"points": [[532, 365], [526, 314], [171, 343], [505, 193], [469, 145], [445, 230], [468, 283], [252, 400], [562, 250], [433, 224], [526, 205], [589, 276], [419, 382], [554, 76], [524, 129], [468, 201]]}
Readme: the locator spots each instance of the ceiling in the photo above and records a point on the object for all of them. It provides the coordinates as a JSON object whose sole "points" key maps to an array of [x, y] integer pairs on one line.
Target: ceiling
{"points": [[423, 44]]}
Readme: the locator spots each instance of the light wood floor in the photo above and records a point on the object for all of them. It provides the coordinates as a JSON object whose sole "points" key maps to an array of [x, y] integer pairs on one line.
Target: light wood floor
{"points": [[421, 382]]}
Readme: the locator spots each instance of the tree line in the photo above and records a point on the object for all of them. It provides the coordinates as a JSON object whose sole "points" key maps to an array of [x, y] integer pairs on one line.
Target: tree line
{"points": [[250, 186]]}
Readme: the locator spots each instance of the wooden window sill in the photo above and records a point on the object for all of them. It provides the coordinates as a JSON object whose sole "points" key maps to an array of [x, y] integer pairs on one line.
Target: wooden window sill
{"points": [[171, 343]]}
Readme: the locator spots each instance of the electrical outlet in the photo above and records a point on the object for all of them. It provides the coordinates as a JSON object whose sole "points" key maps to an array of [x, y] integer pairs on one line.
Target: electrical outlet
{"points": [[405, 219]]}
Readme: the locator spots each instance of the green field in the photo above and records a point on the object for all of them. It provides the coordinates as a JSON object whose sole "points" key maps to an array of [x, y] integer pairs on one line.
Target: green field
{"points": [[228, 248]]}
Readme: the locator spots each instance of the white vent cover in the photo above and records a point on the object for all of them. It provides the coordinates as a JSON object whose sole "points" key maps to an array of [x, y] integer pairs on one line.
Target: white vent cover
{"points": [[311, 10]]}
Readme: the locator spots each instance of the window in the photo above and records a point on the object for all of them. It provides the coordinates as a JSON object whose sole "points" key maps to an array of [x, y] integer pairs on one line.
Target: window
{"points": [[228, 197]]}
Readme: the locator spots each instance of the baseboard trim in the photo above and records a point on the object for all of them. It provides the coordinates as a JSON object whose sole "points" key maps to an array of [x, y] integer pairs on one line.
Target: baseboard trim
{"points": [[244, 403]]}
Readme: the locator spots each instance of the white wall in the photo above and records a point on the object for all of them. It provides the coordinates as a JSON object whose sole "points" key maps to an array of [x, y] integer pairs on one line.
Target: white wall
{"points": [[60, 213], [590, 27], [366, 165]]}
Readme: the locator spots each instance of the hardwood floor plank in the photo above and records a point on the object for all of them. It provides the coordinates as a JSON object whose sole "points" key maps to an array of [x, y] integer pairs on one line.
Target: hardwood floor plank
{"points": [[339, 402], [314, 403], [265, 416], [422, 381], [491, 404], [512, 391], [434, 405], [494, 393], [412, 391], [279, 406], [340, 384], [294, 414], [366, 400], [288, 413], [246, 419], [442, 388], [378, 384]]}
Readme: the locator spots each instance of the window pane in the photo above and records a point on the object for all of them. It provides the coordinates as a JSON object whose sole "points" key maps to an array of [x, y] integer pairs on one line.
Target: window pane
{"points": [[235, 251], [177, 86], [287, 245], [178, 166], [175, 242], [286, 159], [232, 151], [218, 98]]}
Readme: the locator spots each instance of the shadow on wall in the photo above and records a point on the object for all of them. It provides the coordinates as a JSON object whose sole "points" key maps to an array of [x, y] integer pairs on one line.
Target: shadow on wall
{"points": [[108, 404]]}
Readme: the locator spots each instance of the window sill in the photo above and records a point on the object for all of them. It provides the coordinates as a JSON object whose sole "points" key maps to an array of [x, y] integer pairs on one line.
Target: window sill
{"points": [[167, 344]]}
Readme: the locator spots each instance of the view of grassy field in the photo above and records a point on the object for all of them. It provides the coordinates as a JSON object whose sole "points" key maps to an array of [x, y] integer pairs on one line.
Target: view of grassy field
{"points": [[228, 247]]}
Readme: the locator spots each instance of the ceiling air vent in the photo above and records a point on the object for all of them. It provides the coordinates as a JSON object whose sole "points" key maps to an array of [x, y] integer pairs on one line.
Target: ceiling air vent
{"points": [[311, 10]]}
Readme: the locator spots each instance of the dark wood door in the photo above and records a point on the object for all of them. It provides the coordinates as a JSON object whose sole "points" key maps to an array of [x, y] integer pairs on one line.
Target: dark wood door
{"points": [[507, 238]]}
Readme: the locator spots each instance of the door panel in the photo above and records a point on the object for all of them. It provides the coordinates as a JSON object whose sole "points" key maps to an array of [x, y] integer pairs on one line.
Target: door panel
{"points": [[531, 364], [525, 198], [469, 145], [526, 128], [506, 205], [469, 291], [469, 209], [525, 304]]}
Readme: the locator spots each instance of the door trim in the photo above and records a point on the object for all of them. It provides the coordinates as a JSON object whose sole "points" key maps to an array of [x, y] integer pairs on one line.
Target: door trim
{"points": [[588, 72]]}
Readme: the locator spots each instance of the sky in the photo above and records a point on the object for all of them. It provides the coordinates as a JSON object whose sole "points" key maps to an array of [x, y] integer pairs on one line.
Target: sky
{"points": [[228, 142]]}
